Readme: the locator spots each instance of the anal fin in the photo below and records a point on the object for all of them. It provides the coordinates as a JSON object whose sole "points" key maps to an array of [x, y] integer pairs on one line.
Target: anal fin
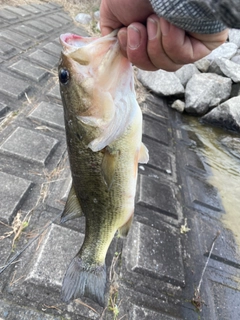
{"points": [[72, 207], [123, 231]]}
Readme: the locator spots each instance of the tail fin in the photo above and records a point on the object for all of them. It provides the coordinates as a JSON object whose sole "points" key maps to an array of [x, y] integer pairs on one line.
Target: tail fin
{"points": [[81, 279]]}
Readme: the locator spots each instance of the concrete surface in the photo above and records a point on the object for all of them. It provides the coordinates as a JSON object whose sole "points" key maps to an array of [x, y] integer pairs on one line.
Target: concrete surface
{"points": [[153, 274]]}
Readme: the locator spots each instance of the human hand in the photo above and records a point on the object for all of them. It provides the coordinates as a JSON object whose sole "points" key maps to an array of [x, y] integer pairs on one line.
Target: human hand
{"points": [[150, 42]]}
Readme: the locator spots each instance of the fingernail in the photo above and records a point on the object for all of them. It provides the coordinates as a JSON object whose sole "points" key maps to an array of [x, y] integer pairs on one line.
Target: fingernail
{"points": [[122, 37], [134, 37], [165, 26], [152, 28]]}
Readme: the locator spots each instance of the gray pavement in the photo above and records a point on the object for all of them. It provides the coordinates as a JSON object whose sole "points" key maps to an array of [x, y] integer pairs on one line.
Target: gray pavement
{"points": [[154, 273]]}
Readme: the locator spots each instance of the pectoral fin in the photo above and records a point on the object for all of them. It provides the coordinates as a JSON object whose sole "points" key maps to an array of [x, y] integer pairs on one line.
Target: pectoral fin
{"points": [[72, 207], [143, 154], [109, 163]]}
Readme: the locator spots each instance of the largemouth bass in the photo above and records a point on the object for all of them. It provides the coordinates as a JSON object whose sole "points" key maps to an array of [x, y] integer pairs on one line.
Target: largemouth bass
{"points": [[103, 124]]}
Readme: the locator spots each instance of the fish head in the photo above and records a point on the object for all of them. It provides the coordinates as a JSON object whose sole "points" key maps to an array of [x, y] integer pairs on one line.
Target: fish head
{"points": [[96, 85]]}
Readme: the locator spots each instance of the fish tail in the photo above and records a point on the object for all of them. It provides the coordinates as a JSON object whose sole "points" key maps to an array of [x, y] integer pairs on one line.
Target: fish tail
{"points": [[81, 279]]}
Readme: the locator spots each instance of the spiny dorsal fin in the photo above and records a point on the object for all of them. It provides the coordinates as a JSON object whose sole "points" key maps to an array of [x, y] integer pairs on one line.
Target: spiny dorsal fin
{"points": [[109, 163], [72, 207], [143, 154]]}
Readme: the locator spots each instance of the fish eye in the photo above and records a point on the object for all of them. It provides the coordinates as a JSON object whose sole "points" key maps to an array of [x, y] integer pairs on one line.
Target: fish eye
{"points": [[63, 76]]}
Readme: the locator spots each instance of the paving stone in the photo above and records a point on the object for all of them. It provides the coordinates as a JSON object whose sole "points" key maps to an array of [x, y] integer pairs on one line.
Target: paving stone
{"points": [[49, 114], [29, 70], [41, 7], [55, 92], [159, 159], [40, 26], [222, 295], [157, 253], [19, 11], [11, 311], [30, 8], [155, 130], [12, 86], [203, 195], [29, 146], [18, 39], [156, 196], [9, 16], [7, 50], [155, 110], [3, 108], [193, 162], [27, 30], [138, 313], [13, 192], [53, 48], [44, 58], [61, 18], [51, 22]]}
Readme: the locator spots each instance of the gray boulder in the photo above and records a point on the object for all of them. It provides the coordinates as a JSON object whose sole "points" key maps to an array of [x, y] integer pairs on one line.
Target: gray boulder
{"points": [[83, 18], [161, 82], [229, 68], [185, 73], [226, 50], [202, 64], [204, 91], [236, 58], [234, 36], [226, 115]]}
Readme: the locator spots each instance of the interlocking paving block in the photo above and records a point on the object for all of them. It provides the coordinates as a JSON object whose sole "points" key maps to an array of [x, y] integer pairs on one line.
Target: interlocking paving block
{"points": [[53, 48], [157, 196], [30, 8], [11, 311], [64, 16], [9, 16], [50, 114], [138, 313], [155, 130], [157, 253], [222, 295], [3, 108], [156, 108], [6, 49], [27, 30], [40, 26], [194, 162], [44, 58], [18, 39], [61, 18], [19, 11], [29, 70], [51, 22], [159, 159], [13, 86], [29, 146], [41, 7], [13, 192], [55, 92], [203, 194]]}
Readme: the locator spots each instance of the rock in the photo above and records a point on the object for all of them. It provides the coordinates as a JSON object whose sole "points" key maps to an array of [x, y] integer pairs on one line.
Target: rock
{"points": [[204, 91], [235, 90], [232, 145], [227, 115], [83, 18], [236, 59], [234, 36], [97, 15], [178, 105], [226, 50], [161, 82], [214, 68], [229, 68], [185, 73], [202, 64]]}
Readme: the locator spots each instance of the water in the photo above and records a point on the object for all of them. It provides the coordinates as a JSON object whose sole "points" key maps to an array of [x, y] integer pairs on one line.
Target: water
{"points": [[224, 164]]}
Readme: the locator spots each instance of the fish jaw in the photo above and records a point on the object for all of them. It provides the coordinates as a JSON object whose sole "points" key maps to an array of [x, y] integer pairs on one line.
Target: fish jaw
{"points": [[102, 78]]}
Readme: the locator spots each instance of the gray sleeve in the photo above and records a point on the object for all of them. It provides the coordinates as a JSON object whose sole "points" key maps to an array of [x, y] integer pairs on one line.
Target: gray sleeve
{"points": [[201, 16]]}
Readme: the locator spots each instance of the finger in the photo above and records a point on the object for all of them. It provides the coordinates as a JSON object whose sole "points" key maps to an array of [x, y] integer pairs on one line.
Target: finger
{"points": [[137, 47], [156, 51]]}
